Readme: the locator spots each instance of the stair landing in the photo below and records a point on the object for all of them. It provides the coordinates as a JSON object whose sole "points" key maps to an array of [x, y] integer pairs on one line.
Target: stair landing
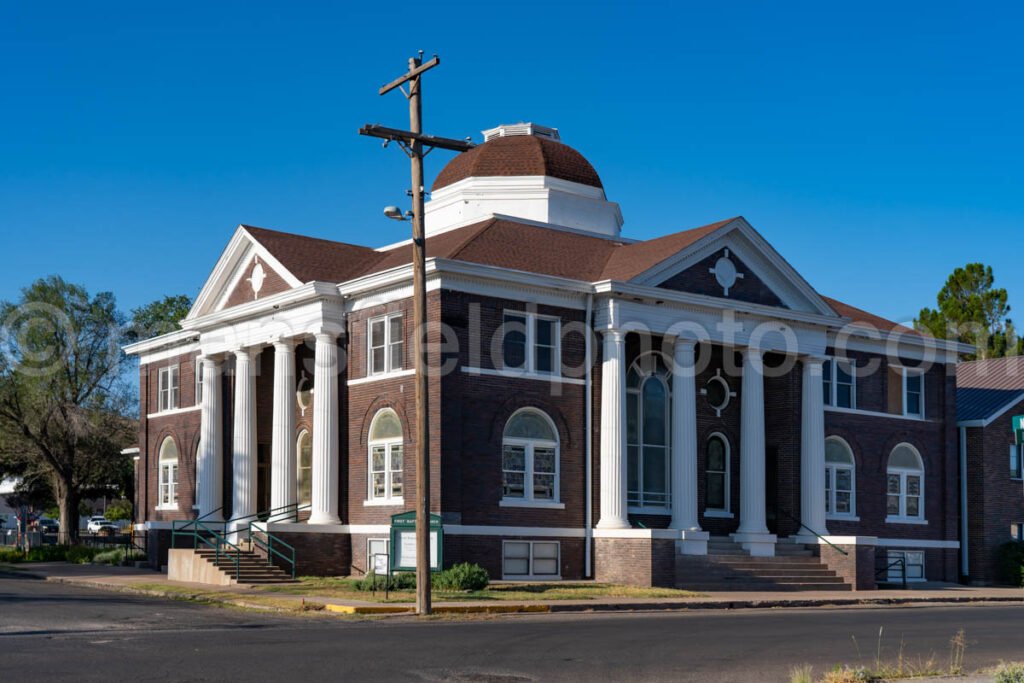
{"points": [[203, 566]]}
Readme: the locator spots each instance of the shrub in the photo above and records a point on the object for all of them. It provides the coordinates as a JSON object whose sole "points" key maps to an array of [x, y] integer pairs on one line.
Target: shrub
{"points": [[801, 674], [11, 555], [118, 557], [1012, 672], [399, 581], [1011, 563], [461, 577], [80, 554], [47, 553]]}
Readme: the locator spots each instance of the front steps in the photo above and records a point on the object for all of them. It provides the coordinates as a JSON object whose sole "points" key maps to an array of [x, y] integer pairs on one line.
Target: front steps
{"points": [[728, 567], [203, 566]]}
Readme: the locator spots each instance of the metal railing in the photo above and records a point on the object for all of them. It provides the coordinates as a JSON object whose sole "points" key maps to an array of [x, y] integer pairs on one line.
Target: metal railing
{"points": [[884, 571], [815, 533], [261, 538]]}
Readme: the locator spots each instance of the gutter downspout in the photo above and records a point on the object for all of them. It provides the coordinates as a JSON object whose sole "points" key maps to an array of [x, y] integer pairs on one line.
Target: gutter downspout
{"points": [[588, 443], [964, 566]]}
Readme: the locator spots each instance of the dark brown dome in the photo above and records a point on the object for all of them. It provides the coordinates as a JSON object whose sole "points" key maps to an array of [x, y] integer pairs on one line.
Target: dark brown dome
{"points": [[519, 155]]}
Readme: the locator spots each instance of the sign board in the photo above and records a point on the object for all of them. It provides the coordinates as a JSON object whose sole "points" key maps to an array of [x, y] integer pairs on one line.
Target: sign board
{"points": [[1018, 429], [380, 564], [403, 542]]}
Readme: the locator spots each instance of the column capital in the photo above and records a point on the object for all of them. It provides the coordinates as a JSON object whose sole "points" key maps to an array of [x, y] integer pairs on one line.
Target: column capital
{"points": [[813, 358], [683, 344], [212, 359], [284, 344], [247, 352], [614, 334]]}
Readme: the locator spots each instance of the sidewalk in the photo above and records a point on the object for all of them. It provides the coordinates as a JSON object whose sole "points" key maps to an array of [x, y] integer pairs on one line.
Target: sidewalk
{"points": [[148, 582]]}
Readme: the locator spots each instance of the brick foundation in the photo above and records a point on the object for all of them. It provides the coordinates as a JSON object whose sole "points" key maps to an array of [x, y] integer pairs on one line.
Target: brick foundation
{"points": [[857, 567], [635, 561]]}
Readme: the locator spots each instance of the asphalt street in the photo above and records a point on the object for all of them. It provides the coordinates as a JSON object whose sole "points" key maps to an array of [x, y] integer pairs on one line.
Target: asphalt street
{"points": [[53, 632]]}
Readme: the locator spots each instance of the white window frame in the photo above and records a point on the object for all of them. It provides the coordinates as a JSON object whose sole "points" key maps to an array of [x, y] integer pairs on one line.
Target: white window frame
{"points": [[894, 574], [1016, 456], [530, 361], [167, 486], [830, 491], [195, 492], [727, 510], [642, 506], [369, 551], [903, 473], [831, 390], [1017, 531], [198, 367], [531, 576], [529, 445], [906, 372], [168, 393], [389, 345], [303, 433], [388, 445]]}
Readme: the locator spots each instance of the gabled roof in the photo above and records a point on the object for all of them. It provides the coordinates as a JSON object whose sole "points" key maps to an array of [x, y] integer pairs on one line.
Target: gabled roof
{"points": [[994, 373], [973, 403], [630, 260], [309, 258], [862, 317]]}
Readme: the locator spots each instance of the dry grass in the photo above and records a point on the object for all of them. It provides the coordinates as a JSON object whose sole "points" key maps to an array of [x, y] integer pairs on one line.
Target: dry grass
{"points": [[883, 669]]}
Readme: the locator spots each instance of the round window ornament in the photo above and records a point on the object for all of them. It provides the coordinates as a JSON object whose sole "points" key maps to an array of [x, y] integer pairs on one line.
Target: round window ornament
{"points": [[257, 278], [725, 272], [717, 393]]}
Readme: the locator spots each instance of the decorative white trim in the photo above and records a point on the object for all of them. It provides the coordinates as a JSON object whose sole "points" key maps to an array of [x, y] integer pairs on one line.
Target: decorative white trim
{"points": [[905, 520], [175, 411], [543, 505], [541, 532], [649, 510], [379, 378], [842, 518], [522, 374], [875, 413], [167, 507], [658, 534], [917, 543], [719, 514], [384, 502]]}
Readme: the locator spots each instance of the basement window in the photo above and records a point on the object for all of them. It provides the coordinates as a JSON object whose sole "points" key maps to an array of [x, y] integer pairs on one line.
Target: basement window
{"points": [[531, 559], [914, 561]]}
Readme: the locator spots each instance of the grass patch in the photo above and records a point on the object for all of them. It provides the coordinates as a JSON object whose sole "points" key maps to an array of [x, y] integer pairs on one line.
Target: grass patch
{"points": [[1009, 672], [345, 588]]}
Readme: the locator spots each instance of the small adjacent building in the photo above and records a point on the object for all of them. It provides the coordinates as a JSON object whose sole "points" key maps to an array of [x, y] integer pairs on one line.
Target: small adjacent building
{"points": [[600, 406], [990, 393]]}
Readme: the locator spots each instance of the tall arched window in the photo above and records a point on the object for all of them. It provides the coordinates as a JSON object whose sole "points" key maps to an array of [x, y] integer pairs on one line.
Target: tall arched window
{"points": [[840, 479], [716, 491], [529, 458], [304, 468], [385, 439], [647, 432], [168, 474], [905, 485]]}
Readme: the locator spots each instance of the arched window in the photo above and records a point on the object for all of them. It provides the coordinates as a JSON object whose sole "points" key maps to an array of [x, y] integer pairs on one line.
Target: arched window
{"points": [[168, 473], [647, 432], [840, 479], [385, 441], [905, 484], [716, 491], [304, 468], [529, 458], [195, 463]]}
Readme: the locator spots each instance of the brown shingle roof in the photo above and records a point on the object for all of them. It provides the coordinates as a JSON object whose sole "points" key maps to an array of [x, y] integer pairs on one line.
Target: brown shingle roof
{"points": [[519, 155], [862, 317], [309, 258], [631, 260]]}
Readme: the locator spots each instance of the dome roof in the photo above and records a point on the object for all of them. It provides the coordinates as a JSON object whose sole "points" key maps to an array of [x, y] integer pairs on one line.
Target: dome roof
{"points": [[519, 155]]}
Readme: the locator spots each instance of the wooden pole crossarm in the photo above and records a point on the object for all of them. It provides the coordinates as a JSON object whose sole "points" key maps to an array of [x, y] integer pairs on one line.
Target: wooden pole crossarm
{"points": [[413, 73], [408, 137]]}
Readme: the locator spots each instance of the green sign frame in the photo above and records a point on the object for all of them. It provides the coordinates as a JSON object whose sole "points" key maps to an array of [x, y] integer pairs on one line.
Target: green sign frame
{"points": [[403, 526], [1018, 429]]}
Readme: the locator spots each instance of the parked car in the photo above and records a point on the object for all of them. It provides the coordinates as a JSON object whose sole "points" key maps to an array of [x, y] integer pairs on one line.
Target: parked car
{"points": [[49, 526], [100, 525]]}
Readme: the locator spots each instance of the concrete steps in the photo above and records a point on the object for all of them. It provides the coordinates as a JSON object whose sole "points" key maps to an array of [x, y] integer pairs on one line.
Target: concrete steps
{"points": [[728, 567], [252, 568]]}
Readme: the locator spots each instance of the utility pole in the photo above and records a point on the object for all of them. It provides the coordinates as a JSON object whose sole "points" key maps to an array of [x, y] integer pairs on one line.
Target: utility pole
{"points": [[417, 145]]}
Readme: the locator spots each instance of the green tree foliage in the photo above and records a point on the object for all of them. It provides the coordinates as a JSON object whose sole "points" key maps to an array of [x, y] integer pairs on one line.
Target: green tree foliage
{"points": [[972, 310], [118, 510], [63, 400], [160, 317]]}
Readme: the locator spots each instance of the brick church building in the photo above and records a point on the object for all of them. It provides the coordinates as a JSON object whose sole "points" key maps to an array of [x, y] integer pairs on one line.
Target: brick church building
{"points": [[685, 410]]}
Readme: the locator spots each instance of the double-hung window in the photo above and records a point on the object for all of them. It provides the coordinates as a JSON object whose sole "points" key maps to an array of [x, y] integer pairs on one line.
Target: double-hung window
{"points": [[529, 459], [840, 479], [910, 561], [1016, 461], [904, 485], [530, 559], [839, 383], [385, 351], [167, 382], [385, 440], [199, 380], [168, 474], [530, 343], [913, 393]]}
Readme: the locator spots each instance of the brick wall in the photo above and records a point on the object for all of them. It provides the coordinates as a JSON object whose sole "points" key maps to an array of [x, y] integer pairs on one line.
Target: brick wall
{"points": [[635, 561]]}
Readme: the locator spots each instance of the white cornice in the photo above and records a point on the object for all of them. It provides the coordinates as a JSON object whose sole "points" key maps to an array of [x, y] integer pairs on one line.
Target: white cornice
{"points": [[164, 341]]}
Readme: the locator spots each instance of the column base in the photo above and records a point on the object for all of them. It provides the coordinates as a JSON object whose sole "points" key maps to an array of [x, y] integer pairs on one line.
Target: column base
{"points": [[613, 524], [693, 542], [757, 544], [804, 538], [323, 518]]}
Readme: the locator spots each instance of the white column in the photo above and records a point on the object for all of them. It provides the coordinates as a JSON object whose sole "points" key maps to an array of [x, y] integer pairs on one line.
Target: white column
{"points": [[753, 530], [613, 432], [325, 432], [684, 450], [812, 451], [244, 451], [211, 443], [282, 453]]}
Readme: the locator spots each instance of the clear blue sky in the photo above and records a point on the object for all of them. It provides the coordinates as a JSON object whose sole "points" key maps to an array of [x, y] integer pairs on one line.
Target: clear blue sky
{"points": [[876, 145]]}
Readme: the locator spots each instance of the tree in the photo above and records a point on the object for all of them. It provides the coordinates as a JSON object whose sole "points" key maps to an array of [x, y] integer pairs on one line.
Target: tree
{"points": [[973, 311], [64, 404], [118, 510], [159, 317]]}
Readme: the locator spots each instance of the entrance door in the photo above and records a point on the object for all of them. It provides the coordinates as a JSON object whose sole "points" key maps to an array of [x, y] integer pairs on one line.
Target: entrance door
{"points": [[771, 488], [262, 478]]}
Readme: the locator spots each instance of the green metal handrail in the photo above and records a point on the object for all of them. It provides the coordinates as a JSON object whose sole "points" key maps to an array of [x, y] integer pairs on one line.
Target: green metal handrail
{"points": [[178, 531], [267, 544], [820, 537]]}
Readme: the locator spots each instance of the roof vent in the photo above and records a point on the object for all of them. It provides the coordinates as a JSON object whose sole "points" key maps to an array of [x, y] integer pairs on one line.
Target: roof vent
{"points": [[507, 130]]}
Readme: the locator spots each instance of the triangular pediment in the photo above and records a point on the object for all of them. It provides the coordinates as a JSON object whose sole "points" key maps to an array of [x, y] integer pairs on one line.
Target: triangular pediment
{"points": [[246, 271], [736, 263]]}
